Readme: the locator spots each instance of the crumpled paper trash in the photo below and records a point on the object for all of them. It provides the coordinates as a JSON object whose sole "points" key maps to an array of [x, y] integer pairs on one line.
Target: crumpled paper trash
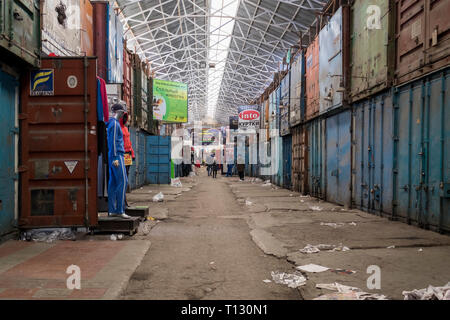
{"points": [[309, 248], [176, 183], [158, 197], [430, 293], [292, 280], [346, 293]]}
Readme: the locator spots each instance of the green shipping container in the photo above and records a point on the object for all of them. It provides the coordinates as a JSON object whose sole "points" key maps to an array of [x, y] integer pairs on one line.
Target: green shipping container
{"points": [[20, 32], [372, 33]]}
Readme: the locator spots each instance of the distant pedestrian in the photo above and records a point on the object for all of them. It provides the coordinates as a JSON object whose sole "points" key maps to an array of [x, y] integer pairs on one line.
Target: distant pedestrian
{"points": [[214, 169], [240, 168], [229, 170]]}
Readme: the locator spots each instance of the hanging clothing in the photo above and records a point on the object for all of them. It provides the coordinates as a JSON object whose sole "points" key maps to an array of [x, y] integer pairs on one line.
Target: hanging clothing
{"points": [[126, 137], [117, 175], [102, 101]]}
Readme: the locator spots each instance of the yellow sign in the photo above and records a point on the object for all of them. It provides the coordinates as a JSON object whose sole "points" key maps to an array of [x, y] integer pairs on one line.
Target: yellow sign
{"points": [[127, 159]]}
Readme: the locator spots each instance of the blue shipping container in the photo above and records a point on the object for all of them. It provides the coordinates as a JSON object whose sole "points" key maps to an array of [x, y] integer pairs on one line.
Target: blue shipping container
{"points": [[158, 159], [316, 157], [372, 162], [8, 131], [338, 158], [421, 153]]}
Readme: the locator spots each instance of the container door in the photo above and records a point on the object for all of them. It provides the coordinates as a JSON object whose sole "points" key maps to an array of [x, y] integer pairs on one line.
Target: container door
{"points": [[133, 169], [287, 162], [316, 133], [142, 160], [9, 102], [338, 158], [158, 159], [422, 152], [59, 173], [331, 79]]}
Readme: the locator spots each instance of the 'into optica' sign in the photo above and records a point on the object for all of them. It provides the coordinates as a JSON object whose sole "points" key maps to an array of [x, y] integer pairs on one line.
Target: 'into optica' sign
{"points": [[249, 116]]}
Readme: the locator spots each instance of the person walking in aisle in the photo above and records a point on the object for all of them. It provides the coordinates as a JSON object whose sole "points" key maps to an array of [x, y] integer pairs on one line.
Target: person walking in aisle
{"points": [[240, 168]]}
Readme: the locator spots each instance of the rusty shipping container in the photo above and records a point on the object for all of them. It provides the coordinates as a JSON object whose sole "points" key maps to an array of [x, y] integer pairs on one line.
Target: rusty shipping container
{"points": [[312, 79], [100, 37], [58, 165], [300, 159], [86, 28], [372, 40], [127, 78], [423, 38], [333, 60]]}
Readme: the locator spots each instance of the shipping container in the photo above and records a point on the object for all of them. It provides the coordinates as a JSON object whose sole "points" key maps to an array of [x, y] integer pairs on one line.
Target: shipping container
{"points": [[114, 56], [338, 158], [421, 179], [87, 28], [67, 28], [132, 174], [100, 37], [284, 105], [372, 41], [142, 162], [372, 154], [287, 161], [59, 144], [127, 79], [144, 96], [312, 79], [9, 130], [297, 93], [333, 60], [158, 156], [137, 92], [20, 30], [423, 38], [316, 157], [299, 159]]}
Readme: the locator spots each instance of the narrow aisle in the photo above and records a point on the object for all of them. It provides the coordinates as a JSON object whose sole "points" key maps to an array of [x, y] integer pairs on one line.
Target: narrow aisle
{"points": [[204, 251]]}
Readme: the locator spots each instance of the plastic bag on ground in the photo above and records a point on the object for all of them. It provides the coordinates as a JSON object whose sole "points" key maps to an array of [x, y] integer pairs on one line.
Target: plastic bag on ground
{"points": [[176, 183], [346, 293], [312, 268], [158, 197]]}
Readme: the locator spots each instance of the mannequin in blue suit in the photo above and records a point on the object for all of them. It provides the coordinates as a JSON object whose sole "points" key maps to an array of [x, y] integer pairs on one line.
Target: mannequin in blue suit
{"points": [[117, 174]]}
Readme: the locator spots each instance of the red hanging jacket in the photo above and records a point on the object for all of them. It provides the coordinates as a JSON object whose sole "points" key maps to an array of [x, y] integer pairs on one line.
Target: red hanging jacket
{"points": [[126, 136]]}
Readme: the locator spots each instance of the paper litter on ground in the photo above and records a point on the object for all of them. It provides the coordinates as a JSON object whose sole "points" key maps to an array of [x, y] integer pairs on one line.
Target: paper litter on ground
{"points": [[158, 197], [176, 183], [342, 271], [332, 224], [267, 281], [292, 280], [391, 247], [346, 293], [430, 293], [315, 208], [312, 268], [309, 248], [248, 203]]}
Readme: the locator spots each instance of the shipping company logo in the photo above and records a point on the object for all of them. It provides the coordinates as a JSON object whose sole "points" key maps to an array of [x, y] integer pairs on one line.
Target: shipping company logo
{"points": [[42, 82], [249, 115]]}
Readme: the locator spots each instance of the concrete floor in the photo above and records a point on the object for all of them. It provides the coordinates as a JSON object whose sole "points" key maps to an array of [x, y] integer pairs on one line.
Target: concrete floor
{"points": [[220, 239], [223, 237]]}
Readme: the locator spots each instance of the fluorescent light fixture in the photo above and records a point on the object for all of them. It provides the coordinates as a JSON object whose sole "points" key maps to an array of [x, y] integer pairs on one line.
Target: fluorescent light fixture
{"points": [[221, 25]]}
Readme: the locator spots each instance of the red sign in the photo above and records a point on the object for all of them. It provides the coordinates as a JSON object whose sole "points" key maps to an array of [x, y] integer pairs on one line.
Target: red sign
{"points": [[249, 115]]}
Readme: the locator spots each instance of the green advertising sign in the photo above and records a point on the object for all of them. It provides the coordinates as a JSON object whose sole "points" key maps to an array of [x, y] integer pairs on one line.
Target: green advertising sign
{"points": [[170, 101]]}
